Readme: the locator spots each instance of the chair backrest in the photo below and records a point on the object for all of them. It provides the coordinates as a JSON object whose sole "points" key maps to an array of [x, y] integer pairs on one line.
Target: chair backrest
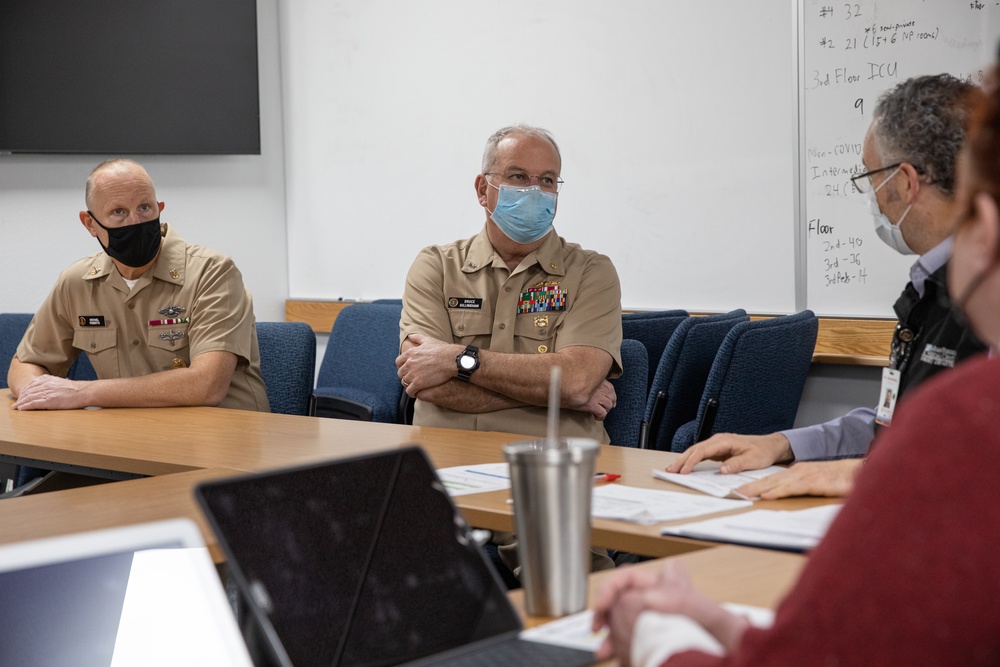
{"points": [[623, 421], [756, 381], [682, 372], [653, 329], [12, 328], [287, 364], [360, 359]]}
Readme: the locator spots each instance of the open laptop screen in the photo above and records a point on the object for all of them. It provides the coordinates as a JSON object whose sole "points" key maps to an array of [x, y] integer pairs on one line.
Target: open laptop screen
{"points": [[361, 561], [137, 595]]}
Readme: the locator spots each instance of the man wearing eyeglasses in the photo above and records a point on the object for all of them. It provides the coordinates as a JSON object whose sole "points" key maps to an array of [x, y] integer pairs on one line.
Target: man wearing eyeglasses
{"points": [[910, 154], [487, 318]]}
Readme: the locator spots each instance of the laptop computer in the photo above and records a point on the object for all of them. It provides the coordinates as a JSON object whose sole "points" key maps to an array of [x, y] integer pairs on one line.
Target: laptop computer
{"points": [[146, 594], [366, 561]]}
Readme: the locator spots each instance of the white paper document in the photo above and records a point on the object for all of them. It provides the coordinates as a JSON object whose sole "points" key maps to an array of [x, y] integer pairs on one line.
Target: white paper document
{"points": [[572, 631], [778, 529], [715, 483], [462, 480], [648, 506]]}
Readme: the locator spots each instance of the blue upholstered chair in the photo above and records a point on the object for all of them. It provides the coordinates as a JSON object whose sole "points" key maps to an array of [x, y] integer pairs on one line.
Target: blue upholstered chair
{"points": [[681, 375], [357, 378], [623, 421], [756, 381], [653, 329], [288, 365]]}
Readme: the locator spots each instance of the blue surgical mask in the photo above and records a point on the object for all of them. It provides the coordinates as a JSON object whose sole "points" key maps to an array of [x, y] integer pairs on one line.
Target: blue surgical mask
{"points": [[524, 214], [891, 234]]}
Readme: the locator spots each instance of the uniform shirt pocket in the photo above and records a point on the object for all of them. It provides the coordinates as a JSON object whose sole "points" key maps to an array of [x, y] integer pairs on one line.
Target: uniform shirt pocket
{"points": [[95, 340], [470, 326], [535, 333], [170, 338]]}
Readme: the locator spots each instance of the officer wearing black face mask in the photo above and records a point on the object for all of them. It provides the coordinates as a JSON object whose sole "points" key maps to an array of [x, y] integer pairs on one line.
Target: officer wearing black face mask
{"points": [[163, 322]]}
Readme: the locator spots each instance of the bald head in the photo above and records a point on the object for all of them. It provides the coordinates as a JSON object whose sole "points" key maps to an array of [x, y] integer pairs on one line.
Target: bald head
{"points": [[115, 170]]}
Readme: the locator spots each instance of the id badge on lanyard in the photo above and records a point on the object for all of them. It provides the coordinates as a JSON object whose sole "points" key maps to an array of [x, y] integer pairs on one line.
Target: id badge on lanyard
{"points": [[888, 396]]}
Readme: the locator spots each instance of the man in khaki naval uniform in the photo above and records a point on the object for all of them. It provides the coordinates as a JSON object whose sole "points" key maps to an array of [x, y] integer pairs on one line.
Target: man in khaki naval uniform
{"points": [[164, 323], [485, 319]]}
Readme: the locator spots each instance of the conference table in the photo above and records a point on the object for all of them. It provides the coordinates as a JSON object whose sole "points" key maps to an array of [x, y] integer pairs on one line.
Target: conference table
{"points": [[160, 455]]}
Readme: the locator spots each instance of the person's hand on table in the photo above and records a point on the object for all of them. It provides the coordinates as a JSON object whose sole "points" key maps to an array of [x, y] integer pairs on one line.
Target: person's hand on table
{"points": [[737, 452], [48, 392], [633, 590], [808, 478]]}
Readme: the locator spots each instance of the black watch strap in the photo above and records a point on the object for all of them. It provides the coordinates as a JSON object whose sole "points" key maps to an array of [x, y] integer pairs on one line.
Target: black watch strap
{"points": [[467, 362]]}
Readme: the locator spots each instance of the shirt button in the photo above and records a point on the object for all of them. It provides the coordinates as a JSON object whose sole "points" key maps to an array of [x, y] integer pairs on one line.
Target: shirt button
{"points": [[502, 326], [507, 288], [543, 348], [541, 332], [93, 346], [461, 327], [135, 343], [131, 306]]}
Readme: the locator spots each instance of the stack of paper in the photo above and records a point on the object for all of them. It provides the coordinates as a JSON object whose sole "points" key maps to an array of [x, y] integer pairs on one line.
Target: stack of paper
{"points": [[715, 483], [793, 530], [648, 506]]}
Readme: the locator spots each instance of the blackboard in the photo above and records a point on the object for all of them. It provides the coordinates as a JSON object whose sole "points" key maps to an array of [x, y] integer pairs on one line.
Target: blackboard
{"points": [[852, 53], [685, 129]]}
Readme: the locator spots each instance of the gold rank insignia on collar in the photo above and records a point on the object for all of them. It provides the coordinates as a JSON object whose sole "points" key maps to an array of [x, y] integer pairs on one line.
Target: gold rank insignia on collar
{"points": [[94, 271], [175, 274]]}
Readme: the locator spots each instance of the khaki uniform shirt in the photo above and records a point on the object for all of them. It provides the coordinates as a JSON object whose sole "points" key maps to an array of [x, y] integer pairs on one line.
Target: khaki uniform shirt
{"points": [[559, 296], [191, 301]]}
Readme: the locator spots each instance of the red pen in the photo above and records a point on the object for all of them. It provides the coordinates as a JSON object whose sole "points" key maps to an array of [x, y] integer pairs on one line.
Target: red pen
{"points": [[606, 477]]}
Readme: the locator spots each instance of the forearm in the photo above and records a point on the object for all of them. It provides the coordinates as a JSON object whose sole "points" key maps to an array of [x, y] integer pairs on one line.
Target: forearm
{"points": [[178, 387], [849, 435], [19, 374], [465, 397], [525, 378], [205, 382]]}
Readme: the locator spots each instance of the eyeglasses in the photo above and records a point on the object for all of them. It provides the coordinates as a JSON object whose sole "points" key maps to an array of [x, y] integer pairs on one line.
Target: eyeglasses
{"points": [[863, 182], [520, 179]]}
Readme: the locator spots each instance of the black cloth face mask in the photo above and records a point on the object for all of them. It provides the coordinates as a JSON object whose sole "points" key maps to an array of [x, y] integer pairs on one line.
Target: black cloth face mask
{"points": [[132, 245]]}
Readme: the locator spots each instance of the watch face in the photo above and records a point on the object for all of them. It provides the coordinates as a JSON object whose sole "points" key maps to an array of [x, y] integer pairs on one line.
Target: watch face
{"points": [[468, 362]]}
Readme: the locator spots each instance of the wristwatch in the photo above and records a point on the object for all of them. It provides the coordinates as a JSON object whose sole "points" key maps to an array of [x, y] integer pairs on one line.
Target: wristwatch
{"points": [[467, 363]]}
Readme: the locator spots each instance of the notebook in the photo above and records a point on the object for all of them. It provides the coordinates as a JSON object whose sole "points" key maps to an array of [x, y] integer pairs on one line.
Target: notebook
{"points": [[138, 595], [366, 561]]}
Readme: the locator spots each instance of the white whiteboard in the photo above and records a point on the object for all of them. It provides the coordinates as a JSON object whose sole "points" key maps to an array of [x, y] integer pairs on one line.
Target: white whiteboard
{"points": [[852, 53], [676, 122]]}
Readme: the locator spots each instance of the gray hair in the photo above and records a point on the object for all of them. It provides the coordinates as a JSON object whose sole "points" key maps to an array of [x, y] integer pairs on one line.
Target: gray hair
{"points": [[490, 154], [117, 164], [923, 121]]}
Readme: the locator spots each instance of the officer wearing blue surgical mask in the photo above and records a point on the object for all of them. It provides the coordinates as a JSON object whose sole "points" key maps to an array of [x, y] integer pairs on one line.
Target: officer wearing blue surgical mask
{"points": [[485, 319]]}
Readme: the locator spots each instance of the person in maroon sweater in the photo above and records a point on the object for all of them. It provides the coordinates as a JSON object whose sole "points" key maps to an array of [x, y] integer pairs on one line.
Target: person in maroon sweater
{"points": [[908, 572]]}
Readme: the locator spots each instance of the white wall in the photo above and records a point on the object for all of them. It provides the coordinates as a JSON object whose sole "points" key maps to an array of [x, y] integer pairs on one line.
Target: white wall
{"points": [[235, 204]]}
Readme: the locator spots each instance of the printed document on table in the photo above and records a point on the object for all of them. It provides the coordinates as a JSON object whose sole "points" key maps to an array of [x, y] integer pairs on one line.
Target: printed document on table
{"points": [[776, 529], [572, 631], [463, 480], [715, 483], [648, 506]]}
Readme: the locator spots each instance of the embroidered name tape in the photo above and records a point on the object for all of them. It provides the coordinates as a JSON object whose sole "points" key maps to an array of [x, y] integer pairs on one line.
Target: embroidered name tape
{"points": [[542, 299], [465, 302], [92, 321]]}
